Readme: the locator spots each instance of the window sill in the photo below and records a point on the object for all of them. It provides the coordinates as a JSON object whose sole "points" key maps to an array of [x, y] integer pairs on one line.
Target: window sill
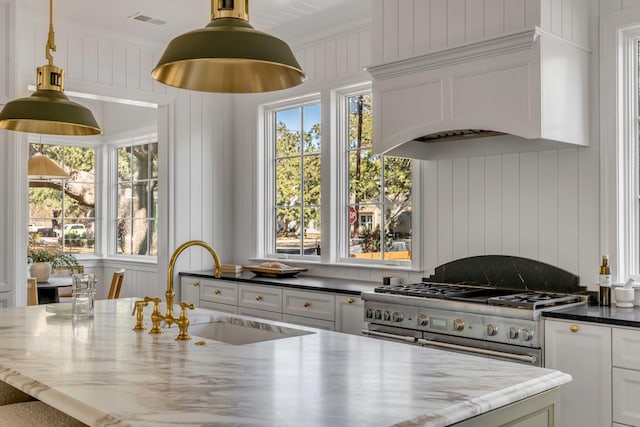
{"points": [[345, 264]]}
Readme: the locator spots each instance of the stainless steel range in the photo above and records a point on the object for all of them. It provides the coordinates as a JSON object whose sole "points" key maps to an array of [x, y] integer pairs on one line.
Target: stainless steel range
{"points": [[500, 322]]}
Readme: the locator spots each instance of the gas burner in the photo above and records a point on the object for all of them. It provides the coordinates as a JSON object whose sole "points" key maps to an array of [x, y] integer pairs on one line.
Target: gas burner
{"points": [[532, 300]]}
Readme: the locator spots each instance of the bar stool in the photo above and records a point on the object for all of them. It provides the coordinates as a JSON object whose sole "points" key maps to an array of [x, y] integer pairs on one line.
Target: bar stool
{"points": [[10, 394], [35, 414]]}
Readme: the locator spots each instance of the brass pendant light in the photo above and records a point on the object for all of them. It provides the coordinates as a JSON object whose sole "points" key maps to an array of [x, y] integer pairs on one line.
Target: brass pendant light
{"points": [[228, 55], [48, 110]]}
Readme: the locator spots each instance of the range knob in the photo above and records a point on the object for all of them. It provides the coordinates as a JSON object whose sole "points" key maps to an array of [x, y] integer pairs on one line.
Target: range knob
{"points": [[369, 313], [387, 315], [423, 320], [526, 335], [397, 317], [492, 330], [513, 333], [377, 314], [458, 324]]}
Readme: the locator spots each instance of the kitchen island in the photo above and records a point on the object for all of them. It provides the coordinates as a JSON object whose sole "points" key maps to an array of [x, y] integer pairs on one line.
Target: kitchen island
{"points": [[103, 373]]}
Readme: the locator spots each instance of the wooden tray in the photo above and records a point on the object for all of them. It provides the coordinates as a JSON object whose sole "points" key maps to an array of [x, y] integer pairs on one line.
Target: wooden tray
{"points": [[273, 272]]}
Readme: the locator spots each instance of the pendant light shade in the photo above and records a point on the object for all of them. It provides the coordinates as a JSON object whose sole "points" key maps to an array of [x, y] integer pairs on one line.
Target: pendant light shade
{"points": [[228, 56], [48, 110], [42, 167]]}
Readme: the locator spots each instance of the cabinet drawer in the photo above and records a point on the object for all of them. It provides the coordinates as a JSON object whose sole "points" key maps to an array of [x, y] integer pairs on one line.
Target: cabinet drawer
{"points": [[261, 314], [309, 321], [190, 290], [226, 308], [260, 297], [626, 348], [219, 291], [309, 304], [626, 389], [349, 314]]}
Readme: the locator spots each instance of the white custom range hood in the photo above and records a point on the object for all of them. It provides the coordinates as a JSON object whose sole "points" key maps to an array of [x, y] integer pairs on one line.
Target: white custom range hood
{"points": [[526, 91]]}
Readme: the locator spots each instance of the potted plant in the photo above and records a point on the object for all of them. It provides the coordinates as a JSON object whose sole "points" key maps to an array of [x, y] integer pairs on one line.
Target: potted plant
{"points": [[42, 260]]}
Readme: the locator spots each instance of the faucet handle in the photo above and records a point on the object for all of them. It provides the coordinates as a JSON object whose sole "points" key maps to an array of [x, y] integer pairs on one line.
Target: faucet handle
{"points": [[138, 312], [156, 316], [183, 321]]}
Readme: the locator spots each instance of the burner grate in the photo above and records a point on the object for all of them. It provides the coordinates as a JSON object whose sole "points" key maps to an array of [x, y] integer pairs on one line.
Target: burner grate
{"points": [[532, 300]]}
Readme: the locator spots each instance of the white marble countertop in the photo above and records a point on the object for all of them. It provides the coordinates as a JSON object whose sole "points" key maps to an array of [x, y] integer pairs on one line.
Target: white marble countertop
{"points": [[105, 374]]}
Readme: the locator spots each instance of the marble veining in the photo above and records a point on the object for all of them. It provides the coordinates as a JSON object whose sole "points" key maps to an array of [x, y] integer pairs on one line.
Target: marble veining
{"points": [[105, 374]]}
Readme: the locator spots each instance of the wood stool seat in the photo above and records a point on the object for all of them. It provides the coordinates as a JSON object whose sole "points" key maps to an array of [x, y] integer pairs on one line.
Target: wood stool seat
{"points": [[10, 394], [35, 414]]}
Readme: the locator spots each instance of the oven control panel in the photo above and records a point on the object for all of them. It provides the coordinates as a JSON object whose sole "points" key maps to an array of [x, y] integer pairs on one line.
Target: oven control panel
{"points": [[522, 332]]}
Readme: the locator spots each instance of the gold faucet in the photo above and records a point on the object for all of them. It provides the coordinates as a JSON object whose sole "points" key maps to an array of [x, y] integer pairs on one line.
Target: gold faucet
{"points": [[170, 294]]}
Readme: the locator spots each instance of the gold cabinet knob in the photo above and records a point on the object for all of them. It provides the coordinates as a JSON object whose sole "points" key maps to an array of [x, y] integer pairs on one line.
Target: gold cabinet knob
{"points": [[217, 292], [196, 283], [307, 304], [574, 328], [258, 298], [350, 301]]}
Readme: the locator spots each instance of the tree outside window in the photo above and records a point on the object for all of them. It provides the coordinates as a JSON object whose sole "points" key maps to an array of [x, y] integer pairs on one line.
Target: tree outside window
{"points": [[379, 191], [136, 229], [297, 166], [62, 212]]}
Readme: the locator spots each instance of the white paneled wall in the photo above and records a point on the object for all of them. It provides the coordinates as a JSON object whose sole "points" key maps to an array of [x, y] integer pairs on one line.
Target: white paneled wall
{"points": [[514, 204], [415, 27]]}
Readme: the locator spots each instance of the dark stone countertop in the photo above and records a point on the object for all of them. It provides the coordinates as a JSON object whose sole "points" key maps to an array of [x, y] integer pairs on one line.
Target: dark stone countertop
{"points": [[310, 283], [613, 315]]}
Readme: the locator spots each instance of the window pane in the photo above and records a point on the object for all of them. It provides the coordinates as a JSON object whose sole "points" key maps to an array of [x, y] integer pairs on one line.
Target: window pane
{"points": [[153, 243], [140, 200], [79, 160], [124, 164], [359, 121], [312, 234], [398, 232], [123, 236], [140, 162], [364, 177], [288, 182], [311, 128], [288, 231], [311, 180], [140, 237], [364, 231], [397, 179], [288, 132], [78, 235], [153, 155]]}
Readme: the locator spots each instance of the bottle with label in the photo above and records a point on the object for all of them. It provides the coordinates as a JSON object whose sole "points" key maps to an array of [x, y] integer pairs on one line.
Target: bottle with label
{"points": [[605, 282], [605, 272]]}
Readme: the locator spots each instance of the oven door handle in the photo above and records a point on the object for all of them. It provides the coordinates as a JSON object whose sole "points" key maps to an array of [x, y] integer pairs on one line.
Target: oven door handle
{"points": [[520, 357], [390, 336]]}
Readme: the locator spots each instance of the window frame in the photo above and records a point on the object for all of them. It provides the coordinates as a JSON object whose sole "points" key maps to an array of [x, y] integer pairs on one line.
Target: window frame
{"points": [[97, 169], [619, 139], [112, 191], [335, 186]]}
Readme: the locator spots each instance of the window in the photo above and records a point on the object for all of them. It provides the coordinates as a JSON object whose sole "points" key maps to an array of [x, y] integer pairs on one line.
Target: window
{"points": [[135, 229], [379, 191], [62, 211], [297, 167], [368, 197]]}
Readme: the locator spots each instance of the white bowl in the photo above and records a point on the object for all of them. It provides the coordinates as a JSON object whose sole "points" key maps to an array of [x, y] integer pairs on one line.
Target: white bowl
{"points": [[624, 297]]}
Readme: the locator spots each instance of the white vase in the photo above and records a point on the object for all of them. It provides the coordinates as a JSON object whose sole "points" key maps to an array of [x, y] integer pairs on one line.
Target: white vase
{"points": [[41, 271]]}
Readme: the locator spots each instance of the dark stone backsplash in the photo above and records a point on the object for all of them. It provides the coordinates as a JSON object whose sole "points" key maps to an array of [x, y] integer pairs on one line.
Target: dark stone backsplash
{"points": [[511, 272]]}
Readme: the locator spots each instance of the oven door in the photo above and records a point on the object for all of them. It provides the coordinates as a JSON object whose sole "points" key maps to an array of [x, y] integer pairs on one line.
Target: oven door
{"points": [[512, 353]]}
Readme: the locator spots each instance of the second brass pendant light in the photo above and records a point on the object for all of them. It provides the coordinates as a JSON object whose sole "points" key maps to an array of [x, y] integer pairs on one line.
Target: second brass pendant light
{"points": [[229, 56]]}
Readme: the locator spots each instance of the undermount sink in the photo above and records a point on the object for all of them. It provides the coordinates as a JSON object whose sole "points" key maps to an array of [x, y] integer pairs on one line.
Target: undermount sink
{"points": [[240, 331]]}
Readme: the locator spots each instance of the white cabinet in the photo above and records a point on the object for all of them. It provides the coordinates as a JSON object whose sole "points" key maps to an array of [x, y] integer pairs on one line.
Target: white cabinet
{"points": [[584, 352], [219, 292], [309, 321], [626, 376], [6, 299], [315, 309], [262, 314], [349, 314], [226, 308], [268, 298], [190, 290]]}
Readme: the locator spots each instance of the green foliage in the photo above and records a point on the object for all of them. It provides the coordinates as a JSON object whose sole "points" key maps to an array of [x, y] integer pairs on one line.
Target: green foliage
{"points": [[54, 257]]}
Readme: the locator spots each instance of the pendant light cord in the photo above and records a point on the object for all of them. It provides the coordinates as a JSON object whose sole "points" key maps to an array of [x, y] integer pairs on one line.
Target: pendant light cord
{"points": [[51, 43]]}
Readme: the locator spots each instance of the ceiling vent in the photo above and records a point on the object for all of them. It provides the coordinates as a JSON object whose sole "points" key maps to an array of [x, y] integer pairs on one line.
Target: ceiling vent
{"points": [[144, 18]]}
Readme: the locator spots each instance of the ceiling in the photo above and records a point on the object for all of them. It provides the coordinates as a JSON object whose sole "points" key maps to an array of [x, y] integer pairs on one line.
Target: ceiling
{"points": [[295, 21]]}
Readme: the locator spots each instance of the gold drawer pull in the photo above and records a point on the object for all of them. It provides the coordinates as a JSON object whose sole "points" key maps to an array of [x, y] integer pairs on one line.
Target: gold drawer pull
{"points": [[307, 304], [258, 298], [574, 328], [217, 292], [196, 283], [350, 301]]}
